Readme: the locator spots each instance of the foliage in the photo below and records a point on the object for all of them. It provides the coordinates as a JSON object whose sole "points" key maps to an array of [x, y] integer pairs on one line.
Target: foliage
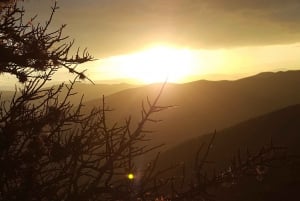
{"points": [[51, 151], [29, 51], [49, 148]]}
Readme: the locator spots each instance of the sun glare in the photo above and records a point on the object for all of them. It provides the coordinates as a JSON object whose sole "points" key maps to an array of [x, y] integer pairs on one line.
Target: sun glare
{"points": [[130, 176], [158, 64]]}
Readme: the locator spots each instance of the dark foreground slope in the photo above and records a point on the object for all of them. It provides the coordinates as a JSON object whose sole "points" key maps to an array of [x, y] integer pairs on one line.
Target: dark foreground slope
{"points": [[282, 127], [204, 106], [281, 183]]}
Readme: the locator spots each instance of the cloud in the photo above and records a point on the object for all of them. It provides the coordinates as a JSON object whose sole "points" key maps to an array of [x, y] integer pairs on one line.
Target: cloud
{"points": [[117, 26]]}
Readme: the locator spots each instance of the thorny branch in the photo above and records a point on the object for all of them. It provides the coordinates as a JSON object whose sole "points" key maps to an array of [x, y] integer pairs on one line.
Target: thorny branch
{"points": [[28, 50]]}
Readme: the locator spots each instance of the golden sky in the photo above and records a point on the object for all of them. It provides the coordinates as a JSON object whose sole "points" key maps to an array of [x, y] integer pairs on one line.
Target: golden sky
{"points": [[222, 36]]}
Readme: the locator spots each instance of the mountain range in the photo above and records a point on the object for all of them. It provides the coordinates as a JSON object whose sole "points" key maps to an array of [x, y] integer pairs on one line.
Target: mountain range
{"points": [[88, 91], [282, 181], [280, 127], [204, 106], [247, 113], [199, 107]]}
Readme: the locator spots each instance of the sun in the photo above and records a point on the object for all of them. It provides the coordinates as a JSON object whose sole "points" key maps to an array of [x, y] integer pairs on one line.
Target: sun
{"points": [[158, 64]]}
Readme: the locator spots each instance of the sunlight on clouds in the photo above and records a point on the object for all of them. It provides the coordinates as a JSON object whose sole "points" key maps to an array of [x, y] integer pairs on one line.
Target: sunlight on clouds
{"points": [[156, 64]]}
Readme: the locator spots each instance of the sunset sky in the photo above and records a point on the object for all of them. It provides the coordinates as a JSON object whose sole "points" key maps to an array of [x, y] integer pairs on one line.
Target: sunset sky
{"points": [[230, 37]]}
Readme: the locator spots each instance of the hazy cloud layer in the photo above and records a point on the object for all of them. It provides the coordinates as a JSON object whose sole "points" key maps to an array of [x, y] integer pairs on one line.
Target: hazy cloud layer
{"points": [[118, 26]]}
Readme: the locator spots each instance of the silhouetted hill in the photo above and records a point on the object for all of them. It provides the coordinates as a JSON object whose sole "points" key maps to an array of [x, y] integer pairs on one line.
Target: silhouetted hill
{"points": [[203, 106], [281, 182], [281, 126]]}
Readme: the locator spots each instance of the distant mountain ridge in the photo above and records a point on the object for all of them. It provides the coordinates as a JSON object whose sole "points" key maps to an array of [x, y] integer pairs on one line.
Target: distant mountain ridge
{"points": [[96, 91], [203, 106], [89, 91]]}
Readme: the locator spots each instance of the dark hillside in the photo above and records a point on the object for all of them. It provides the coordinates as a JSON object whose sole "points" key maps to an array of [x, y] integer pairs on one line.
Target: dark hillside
{"points": [[282, 127], [281, 183]]}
